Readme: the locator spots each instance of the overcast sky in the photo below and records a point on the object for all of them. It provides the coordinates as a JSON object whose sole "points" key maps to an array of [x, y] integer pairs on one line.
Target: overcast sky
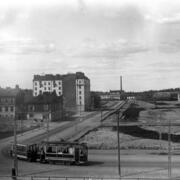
{"points": [[138, 39]]}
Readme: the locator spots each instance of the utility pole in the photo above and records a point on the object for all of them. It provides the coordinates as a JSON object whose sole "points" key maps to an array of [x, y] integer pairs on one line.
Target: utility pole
{"points": [[21, 126], [120, 90], [160, 133], [80, 112], [101, 115], [118, 139], [169, 150], [47, 127], [15, 169]]}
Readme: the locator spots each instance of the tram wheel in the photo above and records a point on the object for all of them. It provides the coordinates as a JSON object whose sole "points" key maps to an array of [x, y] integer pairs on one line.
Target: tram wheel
{"points": [[77, 163], [30, 159]]}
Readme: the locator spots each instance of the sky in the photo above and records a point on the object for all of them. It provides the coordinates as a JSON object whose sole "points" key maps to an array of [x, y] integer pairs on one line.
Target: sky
{"points": [[105, 39]]}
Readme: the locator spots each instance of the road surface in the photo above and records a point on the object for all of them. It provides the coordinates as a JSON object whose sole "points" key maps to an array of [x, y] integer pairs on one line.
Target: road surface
{"points": [[101, 163]]}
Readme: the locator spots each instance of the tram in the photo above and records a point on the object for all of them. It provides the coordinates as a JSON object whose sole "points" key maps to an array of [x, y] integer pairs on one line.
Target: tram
{"points": [[53, 151], [26, 152], [65, 152]]}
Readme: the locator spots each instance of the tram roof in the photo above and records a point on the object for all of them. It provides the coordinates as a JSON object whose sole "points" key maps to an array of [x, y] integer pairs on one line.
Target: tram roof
{"points": [[63, 143]]}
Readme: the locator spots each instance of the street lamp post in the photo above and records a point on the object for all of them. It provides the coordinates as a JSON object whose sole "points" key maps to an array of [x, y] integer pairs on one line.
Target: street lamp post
{"points": [[48, 128], [80, 112], [101, 115], [15, 168], [169, 150], [118, 139]]}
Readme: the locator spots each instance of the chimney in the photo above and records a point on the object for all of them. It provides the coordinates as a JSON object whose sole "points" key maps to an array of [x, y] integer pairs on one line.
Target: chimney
{"points": [[121, 84]]}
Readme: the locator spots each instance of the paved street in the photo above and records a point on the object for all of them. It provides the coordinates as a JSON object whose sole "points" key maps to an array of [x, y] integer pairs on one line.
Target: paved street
{"points": [[101, 163]]}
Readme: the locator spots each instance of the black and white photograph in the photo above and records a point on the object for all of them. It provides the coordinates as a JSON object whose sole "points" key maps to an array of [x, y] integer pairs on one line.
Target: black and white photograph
{"points": [[89, 89]]}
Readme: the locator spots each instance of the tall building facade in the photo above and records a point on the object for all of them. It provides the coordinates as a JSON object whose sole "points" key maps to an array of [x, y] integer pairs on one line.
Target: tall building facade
{"points": [[74, 87], [47, 83]]}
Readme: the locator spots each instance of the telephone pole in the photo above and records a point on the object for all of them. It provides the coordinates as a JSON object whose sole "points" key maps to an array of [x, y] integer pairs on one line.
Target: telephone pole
{"points": [[118, 138], [169, 150], [120, 90], [15, 168], [47, 118]]}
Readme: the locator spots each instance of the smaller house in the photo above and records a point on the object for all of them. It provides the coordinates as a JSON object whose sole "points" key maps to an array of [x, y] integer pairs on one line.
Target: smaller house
{"points": [[105, 95], [115, 94], [8, 102], [178, 96], [46, 106], [166, 96]]}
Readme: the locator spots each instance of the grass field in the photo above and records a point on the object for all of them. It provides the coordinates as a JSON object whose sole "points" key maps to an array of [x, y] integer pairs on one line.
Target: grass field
{"points": [[106, 138]]}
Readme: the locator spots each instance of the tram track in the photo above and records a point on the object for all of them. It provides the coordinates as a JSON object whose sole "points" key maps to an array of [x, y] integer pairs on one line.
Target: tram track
{"points": [[39, 138]]}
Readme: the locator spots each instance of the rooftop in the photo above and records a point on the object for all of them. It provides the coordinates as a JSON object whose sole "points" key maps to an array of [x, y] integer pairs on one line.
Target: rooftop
{"points": [[51, 77], [9, 92]]}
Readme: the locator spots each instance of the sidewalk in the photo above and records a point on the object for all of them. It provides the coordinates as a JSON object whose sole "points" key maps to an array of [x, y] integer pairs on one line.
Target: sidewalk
{"points": [[34, 132]]}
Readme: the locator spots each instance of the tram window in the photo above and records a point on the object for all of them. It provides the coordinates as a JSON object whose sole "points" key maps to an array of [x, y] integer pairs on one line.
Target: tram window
{"points": [[49, 149], [71, 150], [81, 152], [65, 150], [21, 148], [59, 150]]}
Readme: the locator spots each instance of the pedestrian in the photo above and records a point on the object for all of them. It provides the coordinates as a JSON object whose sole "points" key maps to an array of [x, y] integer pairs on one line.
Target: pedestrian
{"points": [[14, 174], [42, 155]]}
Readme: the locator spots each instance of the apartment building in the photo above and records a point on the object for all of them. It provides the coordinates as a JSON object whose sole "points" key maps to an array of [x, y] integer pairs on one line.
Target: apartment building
{"points": [[75, 88]]}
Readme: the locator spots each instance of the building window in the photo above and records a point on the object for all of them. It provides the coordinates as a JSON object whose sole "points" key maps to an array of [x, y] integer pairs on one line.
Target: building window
{"points": [[31, 108], [44, 83], [35, 88], [35, 83], [46, 107], [80, 97], [79, 92], [79, 86], [12, 108], [59, 88], [31, 115], [49, 83], [45, 88], [12, 100], [49, 88], [6, 108], [59, 82]]}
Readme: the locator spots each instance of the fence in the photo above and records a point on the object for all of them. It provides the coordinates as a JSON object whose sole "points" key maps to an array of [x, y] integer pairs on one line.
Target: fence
{"points": [[77, 178]]}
